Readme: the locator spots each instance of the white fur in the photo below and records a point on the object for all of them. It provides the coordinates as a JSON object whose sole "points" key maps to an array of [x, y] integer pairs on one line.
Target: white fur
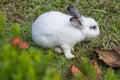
{"points": [[54, 29]]}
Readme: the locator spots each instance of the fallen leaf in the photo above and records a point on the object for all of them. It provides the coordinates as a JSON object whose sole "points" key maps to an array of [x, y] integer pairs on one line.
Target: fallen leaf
{"points": [[75, 70], [18, 20], [15, 17], [105, 5], [98, 70], [110, 57]]}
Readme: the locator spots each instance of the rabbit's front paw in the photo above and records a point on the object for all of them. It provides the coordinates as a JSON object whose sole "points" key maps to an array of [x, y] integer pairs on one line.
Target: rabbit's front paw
{"points": [[69, 55], [72, 49]]}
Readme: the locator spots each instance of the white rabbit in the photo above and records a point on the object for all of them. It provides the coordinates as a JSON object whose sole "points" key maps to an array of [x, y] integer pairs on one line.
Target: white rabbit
{"points": [[61, 31]]}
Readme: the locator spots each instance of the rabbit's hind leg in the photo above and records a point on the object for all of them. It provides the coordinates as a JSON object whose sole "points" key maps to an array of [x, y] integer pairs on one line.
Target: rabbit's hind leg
{"points": [[58, 50]]}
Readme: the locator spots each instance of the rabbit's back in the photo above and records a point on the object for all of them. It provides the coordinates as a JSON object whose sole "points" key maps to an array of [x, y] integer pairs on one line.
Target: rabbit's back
{"points": [[54, 28]]}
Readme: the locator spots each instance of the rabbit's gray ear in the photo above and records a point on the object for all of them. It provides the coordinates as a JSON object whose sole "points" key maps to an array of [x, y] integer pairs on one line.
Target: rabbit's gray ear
{"points": [[73, 12], [76, 22]]}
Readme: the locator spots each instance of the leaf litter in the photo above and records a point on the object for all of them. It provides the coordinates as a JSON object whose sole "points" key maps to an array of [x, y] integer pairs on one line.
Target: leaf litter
{"points": [[110, 57], [75, 70]]}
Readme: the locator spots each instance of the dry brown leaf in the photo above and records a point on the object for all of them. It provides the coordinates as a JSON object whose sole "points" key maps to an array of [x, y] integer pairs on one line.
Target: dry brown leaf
{"points": [[15, 17], [75, 70], [110, 57], [98, 70]]}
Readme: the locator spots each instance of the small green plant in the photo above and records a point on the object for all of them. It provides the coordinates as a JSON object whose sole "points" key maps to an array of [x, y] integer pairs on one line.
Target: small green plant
{"points": [[111, 75], [18, 62], [2, 23]]}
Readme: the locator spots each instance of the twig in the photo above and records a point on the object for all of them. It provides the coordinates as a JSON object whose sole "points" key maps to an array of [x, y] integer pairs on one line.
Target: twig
{"points": [[97, 10]]}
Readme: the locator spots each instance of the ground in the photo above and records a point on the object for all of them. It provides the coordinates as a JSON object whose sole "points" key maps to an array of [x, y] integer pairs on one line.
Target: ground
{"points": [[105, 12]]}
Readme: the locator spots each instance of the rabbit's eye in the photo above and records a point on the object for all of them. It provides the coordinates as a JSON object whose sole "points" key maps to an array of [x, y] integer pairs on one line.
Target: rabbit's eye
{"points": [[93, 27]]}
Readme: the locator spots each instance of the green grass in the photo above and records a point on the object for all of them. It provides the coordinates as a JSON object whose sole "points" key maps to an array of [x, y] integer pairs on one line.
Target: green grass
{"points": [[105, 12]]}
